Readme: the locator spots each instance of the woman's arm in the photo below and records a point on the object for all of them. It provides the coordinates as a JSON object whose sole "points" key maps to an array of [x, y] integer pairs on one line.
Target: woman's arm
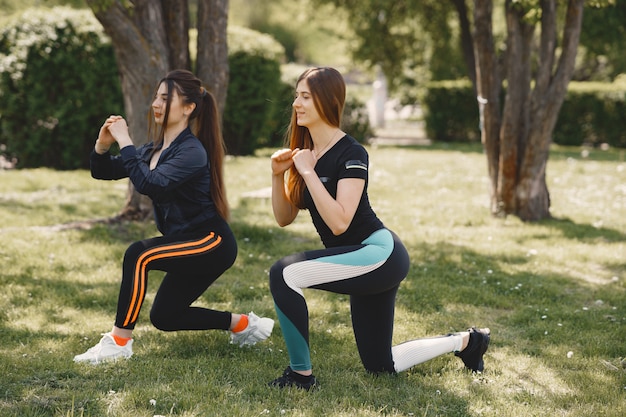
{"points": [[285, 211], [103, 165], [337, 212]]}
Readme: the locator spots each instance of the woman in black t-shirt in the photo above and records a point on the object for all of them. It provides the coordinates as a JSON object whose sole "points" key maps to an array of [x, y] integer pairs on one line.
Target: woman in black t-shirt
{"points": [[327, 174]]}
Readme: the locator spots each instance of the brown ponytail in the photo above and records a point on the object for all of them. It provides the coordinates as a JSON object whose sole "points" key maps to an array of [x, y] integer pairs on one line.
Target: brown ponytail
{"points": [[210, 134]]}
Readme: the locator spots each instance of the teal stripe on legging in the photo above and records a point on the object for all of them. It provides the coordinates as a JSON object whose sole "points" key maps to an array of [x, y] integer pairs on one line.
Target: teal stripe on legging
{"points": [[379, 247], [298, 348]]}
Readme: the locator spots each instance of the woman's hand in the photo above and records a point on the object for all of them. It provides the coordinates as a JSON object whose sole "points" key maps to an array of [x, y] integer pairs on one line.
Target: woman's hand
{"points": [[282, 160], [119, 130], [304, 161], [105, 138]]}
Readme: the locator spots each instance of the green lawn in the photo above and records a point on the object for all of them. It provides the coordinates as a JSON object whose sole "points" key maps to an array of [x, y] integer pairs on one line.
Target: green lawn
{"points": [[553, 294]]}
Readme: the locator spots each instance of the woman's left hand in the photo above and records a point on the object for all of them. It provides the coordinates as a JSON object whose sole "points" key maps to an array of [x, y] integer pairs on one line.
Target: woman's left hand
{"points": [[304, 160]]}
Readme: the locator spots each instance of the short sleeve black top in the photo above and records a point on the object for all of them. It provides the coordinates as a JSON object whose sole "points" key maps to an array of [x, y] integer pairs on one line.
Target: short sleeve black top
{"points": [[346, 159]]}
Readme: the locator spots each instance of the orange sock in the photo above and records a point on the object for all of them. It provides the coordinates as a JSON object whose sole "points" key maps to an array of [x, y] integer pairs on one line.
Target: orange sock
{"points": [[241, 325], [121, 341]]}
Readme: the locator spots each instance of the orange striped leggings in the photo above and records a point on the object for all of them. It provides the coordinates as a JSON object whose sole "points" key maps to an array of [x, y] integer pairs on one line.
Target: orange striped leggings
{"points": [[192, 263]]}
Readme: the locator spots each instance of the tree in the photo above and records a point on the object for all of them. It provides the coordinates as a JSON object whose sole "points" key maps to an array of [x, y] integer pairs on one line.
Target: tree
{"points": [[150, 38], [517, 135], [412, 41]]}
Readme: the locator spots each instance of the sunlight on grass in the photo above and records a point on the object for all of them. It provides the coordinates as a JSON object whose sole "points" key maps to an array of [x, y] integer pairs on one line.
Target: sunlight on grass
{"points": [[551, 292]]}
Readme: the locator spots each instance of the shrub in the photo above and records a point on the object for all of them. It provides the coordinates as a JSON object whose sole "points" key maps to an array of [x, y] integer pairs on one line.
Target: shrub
{"points": [[58, 76], [250, 104], [592, 113], [451, 112], [254, 91]]}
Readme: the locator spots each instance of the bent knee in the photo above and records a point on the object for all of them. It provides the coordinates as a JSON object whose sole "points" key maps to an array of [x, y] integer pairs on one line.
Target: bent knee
{"points": [[276, 276], [161, 320]]}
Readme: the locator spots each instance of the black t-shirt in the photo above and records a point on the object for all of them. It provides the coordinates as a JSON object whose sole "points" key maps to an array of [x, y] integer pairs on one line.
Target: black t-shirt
{"points": [[346, 159]]}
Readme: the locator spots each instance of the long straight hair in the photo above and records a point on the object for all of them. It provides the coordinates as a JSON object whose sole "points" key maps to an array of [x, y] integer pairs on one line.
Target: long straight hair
{"points": [[328, 90], [205, 124]]}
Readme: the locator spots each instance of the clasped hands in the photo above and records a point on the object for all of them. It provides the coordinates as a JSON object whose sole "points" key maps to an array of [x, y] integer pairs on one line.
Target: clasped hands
{"points": [[113, 130], [283, 159]]}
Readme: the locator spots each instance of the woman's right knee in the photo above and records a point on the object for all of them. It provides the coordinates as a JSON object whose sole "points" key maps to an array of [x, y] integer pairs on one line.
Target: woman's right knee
{"points": [[134, 251], [162, 320]]}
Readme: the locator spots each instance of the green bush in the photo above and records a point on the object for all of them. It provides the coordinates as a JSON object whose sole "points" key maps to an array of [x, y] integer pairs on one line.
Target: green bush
{"points": [[58, 76], [451, 112], [281, 117], [254, 91], [251, 102], [592, 114]]}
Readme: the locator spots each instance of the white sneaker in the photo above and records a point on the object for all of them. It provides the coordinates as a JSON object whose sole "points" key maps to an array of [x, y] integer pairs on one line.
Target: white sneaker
{"points": [[259, 328], [106, 350]]}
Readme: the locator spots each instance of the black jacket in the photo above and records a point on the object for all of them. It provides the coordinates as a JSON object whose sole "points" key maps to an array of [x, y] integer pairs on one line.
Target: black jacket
{"points": [[179, 186]]}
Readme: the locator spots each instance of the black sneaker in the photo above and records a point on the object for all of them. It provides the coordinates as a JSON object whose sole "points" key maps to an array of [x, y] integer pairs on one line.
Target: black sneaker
{"points": [[472, 355], [294, 379]]}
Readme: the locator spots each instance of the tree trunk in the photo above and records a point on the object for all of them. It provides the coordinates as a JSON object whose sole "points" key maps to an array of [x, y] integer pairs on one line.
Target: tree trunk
{"points": [[547, 99], [150, 39], [212, 67], [515, 115], [488, 88], [176, 20], [467, 47], [517, 153]]}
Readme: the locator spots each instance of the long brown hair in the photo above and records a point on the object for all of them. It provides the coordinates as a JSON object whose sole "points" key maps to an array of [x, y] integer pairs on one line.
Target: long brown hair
{"points": [[205, 124], [328, 90]]}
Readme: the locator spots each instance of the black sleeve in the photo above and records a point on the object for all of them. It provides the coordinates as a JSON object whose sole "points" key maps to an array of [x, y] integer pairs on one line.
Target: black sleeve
{"points": [[106, 166]]}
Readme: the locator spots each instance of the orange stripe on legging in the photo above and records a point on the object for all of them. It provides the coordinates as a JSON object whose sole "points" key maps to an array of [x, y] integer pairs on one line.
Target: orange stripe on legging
{"points": [[139, 280]]}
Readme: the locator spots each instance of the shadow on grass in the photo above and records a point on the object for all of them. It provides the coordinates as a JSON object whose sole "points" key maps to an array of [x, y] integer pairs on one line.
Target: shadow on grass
{"points": [[533, 317], [582, 232]]}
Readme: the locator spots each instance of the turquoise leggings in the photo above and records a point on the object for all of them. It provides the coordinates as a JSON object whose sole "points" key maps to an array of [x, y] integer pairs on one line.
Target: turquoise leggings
{"points": [[370, 273]]}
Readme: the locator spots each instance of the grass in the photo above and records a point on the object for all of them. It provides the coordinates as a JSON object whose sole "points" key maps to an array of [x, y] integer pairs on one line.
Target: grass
{"points": [[545, 290]]}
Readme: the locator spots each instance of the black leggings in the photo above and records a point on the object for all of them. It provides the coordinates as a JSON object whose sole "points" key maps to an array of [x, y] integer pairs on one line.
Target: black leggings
{"points": [[192, 263], [370, 273]]}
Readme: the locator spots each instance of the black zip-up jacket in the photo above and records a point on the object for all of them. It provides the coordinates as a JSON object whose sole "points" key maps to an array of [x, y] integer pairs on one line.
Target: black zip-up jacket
{"points": [[179, 186]]}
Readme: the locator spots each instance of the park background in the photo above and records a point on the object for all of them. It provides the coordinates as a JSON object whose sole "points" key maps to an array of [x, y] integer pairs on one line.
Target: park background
{"points": [[552, 291]]}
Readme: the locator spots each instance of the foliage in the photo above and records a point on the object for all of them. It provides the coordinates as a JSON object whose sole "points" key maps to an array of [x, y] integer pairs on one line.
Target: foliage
{"points": [[255, 91], [252, 42], [451, 112], [58, 76], [603, 39], [309, 32], [356, 120], [412, 41], [10, 7], [250, 103], [544, 289], [592, 113]]}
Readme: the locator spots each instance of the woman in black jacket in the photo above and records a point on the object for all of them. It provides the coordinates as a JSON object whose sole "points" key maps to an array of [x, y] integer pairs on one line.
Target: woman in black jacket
{"points": [[182, 172]]}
